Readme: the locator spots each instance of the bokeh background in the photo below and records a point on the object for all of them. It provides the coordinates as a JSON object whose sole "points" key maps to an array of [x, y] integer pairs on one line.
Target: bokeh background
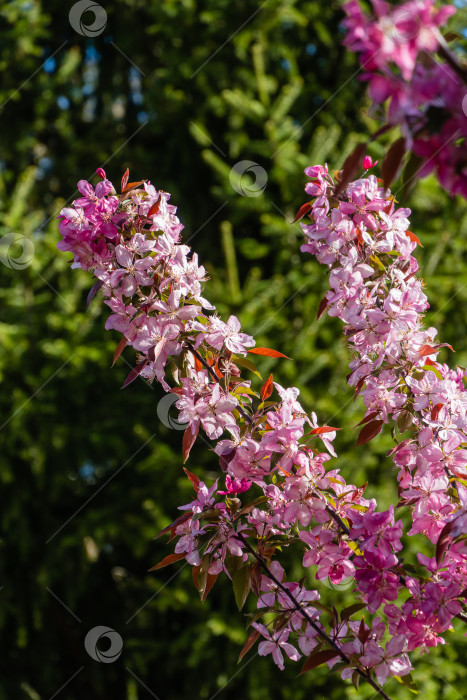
{"points": [[179, 91]]}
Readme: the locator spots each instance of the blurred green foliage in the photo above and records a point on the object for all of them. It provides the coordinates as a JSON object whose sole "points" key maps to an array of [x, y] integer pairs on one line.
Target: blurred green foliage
{"points": [[178, 91]]}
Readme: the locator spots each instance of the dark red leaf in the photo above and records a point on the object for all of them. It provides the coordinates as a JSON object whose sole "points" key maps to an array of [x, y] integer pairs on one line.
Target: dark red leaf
{"points": [[92, 292], [193, 478], [153, 353], [252, 638], [195, 571], [359, 386], [413, 238], [392, 161], [173, 526], [125, 177], [321, 308], [369, 431], [256, 576], [398, 447], [267, 352], [224, 460], [119, 349], [364, 635], [303, 211], [266, 389], [426, 350], [132, 186], [367, 418], [351, 167], [169, 559], [351, 610], [189, 437], [443, 541], [324, 429], [198, 363], [435, 411], [155, 207], [317, 658], [210, 581], [135, 372]]}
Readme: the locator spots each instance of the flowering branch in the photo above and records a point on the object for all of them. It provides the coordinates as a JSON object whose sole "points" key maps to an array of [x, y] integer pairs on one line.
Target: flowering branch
{"points": [[269, 447], [307, 617], [425, 97]]}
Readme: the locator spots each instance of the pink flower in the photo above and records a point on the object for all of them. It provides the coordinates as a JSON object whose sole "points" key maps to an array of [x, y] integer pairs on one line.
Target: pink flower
{"points": [[443, 602], [216, 412], [132, 272], [220, 333], [368, 163], [235, 486], [275, 644], [336, 568], [391, 662]]}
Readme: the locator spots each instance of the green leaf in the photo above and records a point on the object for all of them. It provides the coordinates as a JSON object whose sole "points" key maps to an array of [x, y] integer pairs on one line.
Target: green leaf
{"points": [[409, 683], [429, 368], [239, 390], [232, 564], [378, 262], [241, 585], [244, 362]]}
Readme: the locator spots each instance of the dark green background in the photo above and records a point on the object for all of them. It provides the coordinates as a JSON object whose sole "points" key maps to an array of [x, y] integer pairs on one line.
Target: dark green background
{"points": [[88, 473]]}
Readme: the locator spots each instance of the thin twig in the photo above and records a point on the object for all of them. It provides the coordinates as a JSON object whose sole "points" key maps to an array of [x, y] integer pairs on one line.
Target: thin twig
{"points": [[240, 409], [450, 58], [249, 419], [307, 617], [333, 514]]}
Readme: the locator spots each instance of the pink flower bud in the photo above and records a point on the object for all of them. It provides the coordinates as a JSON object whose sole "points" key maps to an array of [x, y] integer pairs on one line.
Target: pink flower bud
{"points": [[101, 173], [368, 163]]}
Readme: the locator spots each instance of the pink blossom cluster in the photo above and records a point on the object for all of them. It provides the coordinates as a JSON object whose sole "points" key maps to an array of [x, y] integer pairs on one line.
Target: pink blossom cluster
{"points": [[364, 240], [275, 490], [397, 47]]}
